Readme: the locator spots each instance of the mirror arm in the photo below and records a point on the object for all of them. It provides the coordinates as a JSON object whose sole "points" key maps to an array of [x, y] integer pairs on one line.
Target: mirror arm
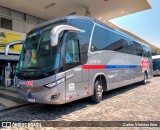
{"points": [[58, 29], [12, 43]]}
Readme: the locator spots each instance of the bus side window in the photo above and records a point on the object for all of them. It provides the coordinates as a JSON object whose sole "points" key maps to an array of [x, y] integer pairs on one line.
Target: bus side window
{"points": [[139, 49], [72, 51], [146, 51]]}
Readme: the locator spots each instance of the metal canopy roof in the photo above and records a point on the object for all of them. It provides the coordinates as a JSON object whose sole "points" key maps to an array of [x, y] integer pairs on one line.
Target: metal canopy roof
{"points": [[103, 10], [100, 9]]}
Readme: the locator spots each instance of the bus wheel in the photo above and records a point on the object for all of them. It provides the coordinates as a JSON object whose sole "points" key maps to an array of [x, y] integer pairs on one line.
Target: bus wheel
{"points": [[144, 82], [98, 91]]}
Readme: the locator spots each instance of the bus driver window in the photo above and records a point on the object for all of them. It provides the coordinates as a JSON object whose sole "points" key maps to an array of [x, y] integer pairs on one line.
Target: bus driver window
{"points": [[72, 51]]}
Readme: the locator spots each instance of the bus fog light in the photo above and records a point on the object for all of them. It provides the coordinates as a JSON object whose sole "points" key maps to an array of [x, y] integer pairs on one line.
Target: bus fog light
{"points": [[55, 96]]}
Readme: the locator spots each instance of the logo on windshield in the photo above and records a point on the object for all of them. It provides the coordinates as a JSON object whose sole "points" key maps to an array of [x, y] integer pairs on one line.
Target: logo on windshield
{"points": [[29, 83]]}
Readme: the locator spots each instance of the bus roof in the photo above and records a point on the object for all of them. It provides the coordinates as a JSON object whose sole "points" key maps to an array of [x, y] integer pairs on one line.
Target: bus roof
{"points": [[61, 19], [156, 57], [87, 18]]}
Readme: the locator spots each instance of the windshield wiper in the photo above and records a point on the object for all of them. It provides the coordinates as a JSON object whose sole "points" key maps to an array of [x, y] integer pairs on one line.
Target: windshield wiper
{"points": [[33, 67]]}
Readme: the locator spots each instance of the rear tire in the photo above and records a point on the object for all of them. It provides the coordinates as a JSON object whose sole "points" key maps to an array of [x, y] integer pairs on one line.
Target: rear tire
{"points": [[98, 91], [144, 82]]}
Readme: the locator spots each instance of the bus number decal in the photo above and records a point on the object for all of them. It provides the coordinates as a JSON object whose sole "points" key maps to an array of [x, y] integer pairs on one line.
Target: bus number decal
{"points": [[95, 61], [71, 87]]}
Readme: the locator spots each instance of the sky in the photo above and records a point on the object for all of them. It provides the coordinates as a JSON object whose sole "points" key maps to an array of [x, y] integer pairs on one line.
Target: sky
{"points": [[145, 24]]}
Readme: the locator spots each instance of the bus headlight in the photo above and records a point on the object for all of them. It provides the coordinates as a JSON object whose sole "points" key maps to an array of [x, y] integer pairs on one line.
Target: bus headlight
{"points": [[53, 84], [50, 85]]}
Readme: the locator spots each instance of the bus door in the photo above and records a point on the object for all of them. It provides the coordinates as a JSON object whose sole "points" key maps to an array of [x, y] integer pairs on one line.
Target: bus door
{"points": [[73, 68]]}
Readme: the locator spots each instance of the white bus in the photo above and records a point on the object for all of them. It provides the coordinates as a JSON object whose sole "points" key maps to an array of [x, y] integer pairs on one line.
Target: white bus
{"points": [[156, 64], [74, 57]]}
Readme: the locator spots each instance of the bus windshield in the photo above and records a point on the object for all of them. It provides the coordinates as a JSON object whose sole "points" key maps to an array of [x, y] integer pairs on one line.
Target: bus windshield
{"points": [[37, 53], [156, 64]]}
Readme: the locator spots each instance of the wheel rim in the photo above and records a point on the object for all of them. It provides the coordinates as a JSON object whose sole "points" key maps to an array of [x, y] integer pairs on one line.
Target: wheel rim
{"points": [[99, 91]]}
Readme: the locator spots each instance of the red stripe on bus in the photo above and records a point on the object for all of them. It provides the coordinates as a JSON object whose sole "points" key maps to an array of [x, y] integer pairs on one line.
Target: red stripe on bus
{"points": [[93, 66]]}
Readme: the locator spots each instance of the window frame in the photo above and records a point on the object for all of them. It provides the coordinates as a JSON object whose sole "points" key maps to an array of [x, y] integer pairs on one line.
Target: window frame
{"points": [[122, 35], [145, 53], [71, 65], [84, 46]]}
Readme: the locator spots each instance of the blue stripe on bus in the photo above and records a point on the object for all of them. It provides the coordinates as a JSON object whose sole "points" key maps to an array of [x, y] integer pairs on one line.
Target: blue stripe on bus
{"points": [[120, 66], [108, 66]]}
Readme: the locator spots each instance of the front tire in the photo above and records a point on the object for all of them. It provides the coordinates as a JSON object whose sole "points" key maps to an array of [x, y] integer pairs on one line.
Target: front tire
{"points": [[98, 91]]}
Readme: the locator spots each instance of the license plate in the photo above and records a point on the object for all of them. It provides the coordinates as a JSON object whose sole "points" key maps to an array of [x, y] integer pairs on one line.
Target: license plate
{"points": [[31, 99]]}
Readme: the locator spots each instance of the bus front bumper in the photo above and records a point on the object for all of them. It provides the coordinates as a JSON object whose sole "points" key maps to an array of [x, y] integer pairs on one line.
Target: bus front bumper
{"points": [[46, 96]]}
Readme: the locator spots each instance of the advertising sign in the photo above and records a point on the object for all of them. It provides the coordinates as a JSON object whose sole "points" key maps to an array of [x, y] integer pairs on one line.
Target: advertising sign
{"points": [[7, 37]]}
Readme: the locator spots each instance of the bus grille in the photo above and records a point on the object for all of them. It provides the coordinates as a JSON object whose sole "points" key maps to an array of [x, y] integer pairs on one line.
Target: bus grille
{"points": [[33, 89]]}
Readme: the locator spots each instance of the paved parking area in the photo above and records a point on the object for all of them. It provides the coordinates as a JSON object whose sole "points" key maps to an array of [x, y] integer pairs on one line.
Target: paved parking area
{"points": [[131, 103], [9, 97]]}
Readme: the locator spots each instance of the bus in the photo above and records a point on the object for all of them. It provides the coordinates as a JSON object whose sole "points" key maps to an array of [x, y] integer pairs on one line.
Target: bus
{"points": [[156, 65], [74, 57]]}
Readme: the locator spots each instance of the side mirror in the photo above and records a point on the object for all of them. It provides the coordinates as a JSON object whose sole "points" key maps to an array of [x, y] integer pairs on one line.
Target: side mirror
{"points": [[12, 43], [58, 29]]}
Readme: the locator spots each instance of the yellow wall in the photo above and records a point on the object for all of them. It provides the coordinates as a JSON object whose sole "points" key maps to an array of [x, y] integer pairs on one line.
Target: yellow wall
{"points": [[7, 36]]}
